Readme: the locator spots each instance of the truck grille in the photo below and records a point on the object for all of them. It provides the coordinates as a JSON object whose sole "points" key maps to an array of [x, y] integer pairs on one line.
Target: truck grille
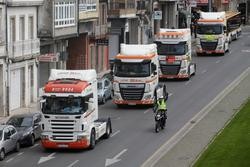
{"points": [[62, 130], [170, 69], [132, 91], [209, 45]]}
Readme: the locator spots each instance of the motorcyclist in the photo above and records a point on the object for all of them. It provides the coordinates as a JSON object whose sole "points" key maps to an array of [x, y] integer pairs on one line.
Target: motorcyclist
{"points": [[161, 105]]}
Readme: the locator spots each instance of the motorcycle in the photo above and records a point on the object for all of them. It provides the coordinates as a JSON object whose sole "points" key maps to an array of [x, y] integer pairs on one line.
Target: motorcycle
{"points": [[160, 121]]}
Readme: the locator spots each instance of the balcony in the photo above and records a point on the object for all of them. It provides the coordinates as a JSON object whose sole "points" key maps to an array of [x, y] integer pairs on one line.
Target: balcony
{"points": [[25, 2], [88, 10], [25, 48], [101, 30], [122, 9]]}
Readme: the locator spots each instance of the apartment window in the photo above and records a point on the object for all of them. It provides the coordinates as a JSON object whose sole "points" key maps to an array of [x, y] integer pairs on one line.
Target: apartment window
{"points": [[87, 5], [31, 27], [64, 14], [12, 29], [21, 28]]}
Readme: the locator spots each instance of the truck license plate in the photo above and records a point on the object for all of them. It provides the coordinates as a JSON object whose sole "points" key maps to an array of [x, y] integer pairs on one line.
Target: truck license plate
{"points": [[63, 146]]}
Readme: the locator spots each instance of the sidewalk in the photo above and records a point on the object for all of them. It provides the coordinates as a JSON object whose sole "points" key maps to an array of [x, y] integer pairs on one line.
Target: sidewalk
{"points": [[186, 146], [34, 107]]}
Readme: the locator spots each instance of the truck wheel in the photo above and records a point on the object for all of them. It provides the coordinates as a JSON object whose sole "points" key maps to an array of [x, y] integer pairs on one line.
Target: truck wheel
{"points": [[32, 140], [194, 69], [108, 130], [2, 155], [92, 140]]}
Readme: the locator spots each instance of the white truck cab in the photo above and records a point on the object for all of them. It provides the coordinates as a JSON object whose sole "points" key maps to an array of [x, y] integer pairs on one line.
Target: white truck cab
{"points": [[175, 53], [69, 107], [135, 75]]}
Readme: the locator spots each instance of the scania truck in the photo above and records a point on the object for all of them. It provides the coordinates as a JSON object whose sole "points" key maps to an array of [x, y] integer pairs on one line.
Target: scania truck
{"points": [[69, 107], [135, 75], [175, 53]]}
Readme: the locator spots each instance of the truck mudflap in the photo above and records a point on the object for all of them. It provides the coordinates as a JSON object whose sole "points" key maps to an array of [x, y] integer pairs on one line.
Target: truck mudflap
{"points": [[79, 144]]}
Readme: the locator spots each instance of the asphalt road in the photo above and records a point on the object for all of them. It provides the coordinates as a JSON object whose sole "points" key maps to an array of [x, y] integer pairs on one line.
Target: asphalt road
{"points": [[133, 139]]}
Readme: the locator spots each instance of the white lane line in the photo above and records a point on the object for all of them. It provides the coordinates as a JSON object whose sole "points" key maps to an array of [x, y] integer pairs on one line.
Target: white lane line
{"points": [[170, 94], [34, 145], [113, 134], [218, 61], [10, 159], [145, 112], [73, 163], [20, 153], [188, 82], [117, 118], [204, 71]]}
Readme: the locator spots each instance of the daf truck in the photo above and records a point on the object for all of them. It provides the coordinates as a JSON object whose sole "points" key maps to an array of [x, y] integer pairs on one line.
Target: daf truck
{"points": [[135, 75], [175, 53], [69, 105]]}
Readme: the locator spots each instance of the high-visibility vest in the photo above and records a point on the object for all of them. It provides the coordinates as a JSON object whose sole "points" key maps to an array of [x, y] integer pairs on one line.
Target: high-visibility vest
{"points": [[161, 105]]}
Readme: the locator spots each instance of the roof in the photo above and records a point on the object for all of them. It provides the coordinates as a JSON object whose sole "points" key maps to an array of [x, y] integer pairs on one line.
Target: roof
{"points": [[132, 50], [146, 56], [173, 34], [30, 114], [230, 14], [65, 86], [84, 75], [212, 15]]}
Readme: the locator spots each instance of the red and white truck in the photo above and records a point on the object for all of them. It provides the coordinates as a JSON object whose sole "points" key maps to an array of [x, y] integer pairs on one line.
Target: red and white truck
{"points": [[69, 107]]}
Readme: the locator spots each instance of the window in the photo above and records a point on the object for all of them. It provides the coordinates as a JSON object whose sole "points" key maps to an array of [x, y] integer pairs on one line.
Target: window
{"points": [[64, 14], [87, 5], [12, 130], [12, 29], [7, 133], [21, 28], [1, 35], [31, 27]]}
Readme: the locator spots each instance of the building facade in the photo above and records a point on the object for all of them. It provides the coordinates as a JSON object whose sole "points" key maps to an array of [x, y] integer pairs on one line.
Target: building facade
{"points": [[18, 51], [58, 22]]}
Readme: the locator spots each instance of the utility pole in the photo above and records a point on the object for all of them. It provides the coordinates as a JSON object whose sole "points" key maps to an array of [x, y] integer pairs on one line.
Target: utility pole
{"points": [[210, 5]]}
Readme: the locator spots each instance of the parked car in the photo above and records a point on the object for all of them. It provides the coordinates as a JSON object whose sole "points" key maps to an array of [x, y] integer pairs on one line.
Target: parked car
{"points": [[104, 88], [9, 140], [27, 126]]}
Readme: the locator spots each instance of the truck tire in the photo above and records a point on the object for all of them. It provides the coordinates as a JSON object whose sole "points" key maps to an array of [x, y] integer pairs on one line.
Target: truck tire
{"points": [[92, 139], [103, 99], [108, 129]]}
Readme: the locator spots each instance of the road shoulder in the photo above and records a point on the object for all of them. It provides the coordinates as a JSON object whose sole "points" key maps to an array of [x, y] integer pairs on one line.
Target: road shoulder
{"points": [[185, 148]]}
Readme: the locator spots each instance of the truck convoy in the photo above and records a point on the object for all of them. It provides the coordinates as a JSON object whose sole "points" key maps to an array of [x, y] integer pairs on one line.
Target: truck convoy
{"points": [[175, 53], [69, 107], [215, 30], [135, 75]]}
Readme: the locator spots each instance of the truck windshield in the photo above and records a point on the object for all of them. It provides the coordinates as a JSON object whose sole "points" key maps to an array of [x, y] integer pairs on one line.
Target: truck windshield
{"points": [[132, 69], [209, 29], [64, 105], [171, 49]]}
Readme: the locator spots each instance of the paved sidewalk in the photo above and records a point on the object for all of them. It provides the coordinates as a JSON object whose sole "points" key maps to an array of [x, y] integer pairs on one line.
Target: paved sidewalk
{"points": [[34, 107], [189, 148]]}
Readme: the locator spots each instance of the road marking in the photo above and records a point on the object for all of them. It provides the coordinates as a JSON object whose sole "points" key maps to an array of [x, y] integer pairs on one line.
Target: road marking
{"points": [[73, 163], [245, 51], [188, 82], [170, 94], [145, 112], [20, 153], [168, 145], [34, 145], [113, 134], [218, 61], [204, 71], [115, 158], [117, 118], [44, 159], [10, 159]]}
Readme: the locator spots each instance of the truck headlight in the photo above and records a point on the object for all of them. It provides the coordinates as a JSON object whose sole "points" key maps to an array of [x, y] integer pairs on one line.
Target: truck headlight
{"points": [[147, 88], [116, 86], [80, 137], [44, 137], [220, 41]]}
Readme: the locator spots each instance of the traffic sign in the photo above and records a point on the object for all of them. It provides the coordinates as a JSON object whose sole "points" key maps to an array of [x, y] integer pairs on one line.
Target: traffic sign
{"points": [[158, 15]]}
